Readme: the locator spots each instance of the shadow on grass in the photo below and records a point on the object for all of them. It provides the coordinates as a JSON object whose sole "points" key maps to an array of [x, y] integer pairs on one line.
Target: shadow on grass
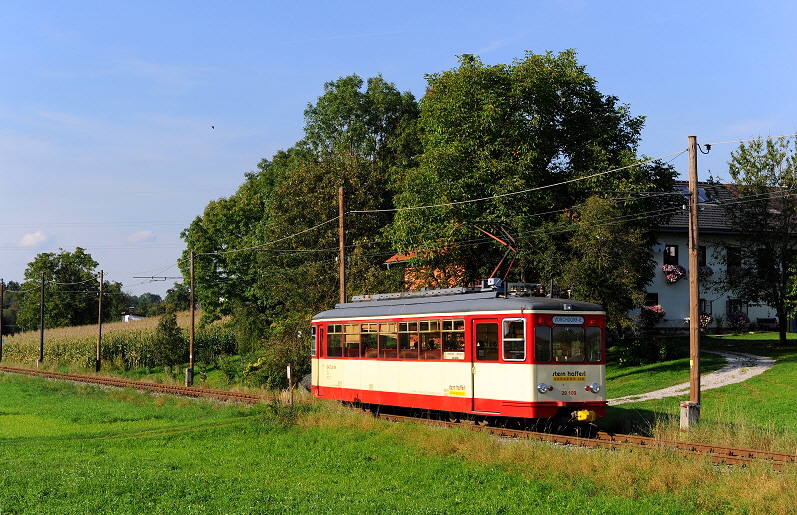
{"points": [[627, 420], [667, 366]]}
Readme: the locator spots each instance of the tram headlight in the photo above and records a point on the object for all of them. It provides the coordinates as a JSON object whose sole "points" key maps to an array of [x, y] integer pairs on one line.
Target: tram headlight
{"points": [[544, 388], [594, 388]]}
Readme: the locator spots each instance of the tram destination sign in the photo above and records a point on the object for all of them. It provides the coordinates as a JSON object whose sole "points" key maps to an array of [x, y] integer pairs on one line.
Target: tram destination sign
{"points": [[568, 320]]}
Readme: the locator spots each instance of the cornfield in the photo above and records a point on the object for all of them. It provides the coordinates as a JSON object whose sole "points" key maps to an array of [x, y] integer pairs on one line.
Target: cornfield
{"points": [[125, 345]]}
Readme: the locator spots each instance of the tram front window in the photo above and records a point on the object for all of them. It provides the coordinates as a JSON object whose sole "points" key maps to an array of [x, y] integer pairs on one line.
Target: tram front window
{"points": [[594, 344], [542, 343], [568, 343]]}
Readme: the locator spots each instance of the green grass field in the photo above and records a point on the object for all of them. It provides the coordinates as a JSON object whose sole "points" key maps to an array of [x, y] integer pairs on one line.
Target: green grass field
{"points": [[76, 449], [71, 449]]}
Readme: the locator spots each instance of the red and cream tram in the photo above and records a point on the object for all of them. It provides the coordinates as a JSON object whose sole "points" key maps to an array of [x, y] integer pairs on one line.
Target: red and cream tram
{"points": [[475, 351]]}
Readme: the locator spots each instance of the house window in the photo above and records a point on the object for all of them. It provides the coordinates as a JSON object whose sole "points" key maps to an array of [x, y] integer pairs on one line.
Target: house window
{"points": [[733, 258], [765, 261], [705, 306], [671, 254], [701, 255], [651, 299], [735, 306]]}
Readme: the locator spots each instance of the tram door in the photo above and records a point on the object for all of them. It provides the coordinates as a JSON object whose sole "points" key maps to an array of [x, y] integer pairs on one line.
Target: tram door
{"points": [[317, 341], [484, 350]]}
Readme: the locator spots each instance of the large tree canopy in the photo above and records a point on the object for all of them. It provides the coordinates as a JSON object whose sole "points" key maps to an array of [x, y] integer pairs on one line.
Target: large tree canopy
{"points": [[71, 291], [759, 262], [512, 144], [501, 148], [270, 249]]}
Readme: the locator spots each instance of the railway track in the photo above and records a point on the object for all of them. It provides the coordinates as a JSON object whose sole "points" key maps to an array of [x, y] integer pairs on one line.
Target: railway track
{"points": [[224, 395], [719, 454]]}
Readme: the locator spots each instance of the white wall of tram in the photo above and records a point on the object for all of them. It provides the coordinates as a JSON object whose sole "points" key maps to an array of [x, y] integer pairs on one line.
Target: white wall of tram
{"points": [[514, 382]]}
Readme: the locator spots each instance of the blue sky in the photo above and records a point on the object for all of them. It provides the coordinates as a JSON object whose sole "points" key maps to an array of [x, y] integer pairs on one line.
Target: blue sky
{"points": [[106, 108]]}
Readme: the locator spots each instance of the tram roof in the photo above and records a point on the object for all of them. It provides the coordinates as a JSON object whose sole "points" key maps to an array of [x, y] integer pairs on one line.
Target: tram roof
{"points": [[463, 303]]}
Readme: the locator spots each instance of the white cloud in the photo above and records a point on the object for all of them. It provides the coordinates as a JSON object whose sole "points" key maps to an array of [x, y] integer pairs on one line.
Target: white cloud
{"points": [[33, 239], [141, 236]]}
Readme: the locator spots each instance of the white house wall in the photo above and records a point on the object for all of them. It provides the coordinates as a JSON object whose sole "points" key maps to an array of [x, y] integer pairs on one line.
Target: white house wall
{"points": [[674, 298]]}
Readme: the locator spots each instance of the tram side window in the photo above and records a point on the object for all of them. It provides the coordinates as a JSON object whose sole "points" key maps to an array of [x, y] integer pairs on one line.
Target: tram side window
{"points": [[352, 340], [514, 340], [487, 342], [408, 340], [453, 339], [369, 339], [313, 341], [568, 343], [430, 339], [335, 340], [593, 344], [542, 343], [388, 340]]}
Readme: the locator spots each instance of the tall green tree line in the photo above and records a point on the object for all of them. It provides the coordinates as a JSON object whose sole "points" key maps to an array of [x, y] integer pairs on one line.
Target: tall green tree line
{"points": [[536, 126]]}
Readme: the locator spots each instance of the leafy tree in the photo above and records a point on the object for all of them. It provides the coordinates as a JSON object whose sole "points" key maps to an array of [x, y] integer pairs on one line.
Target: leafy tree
{"points": [[244, 264], [762, 265], [170, 346], [148, 304], [489, 132], [71, 290], [11, 301], [607, 260], [178, 297]]}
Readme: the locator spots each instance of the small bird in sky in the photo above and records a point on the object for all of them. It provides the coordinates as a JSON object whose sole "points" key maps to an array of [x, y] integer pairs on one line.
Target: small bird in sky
{"points": [[212, 126]]}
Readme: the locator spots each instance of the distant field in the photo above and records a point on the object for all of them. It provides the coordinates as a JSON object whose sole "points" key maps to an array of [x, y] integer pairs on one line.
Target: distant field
{"points": [[79, 333], [72, 449], [76, 346]]}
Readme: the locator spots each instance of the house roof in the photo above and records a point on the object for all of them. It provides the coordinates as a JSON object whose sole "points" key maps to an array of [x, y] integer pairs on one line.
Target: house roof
{"points": [[711, 217]]}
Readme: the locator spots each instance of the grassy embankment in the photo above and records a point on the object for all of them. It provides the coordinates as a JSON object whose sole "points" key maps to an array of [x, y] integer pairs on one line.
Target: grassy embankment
{"points": [[76, 449], [757, 413]]}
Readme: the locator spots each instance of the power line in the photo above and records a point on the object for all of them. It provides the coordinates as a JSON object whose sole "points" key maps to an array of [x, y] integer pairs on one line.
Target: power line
{"points": [[538, 188]]}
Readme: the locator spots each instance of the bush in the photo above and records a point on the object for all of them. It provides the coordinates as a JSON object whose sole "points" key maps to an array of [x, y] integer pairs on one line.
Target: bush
{"points": [[646, 350], [171, 345], [738, 321], [649, 316], [288, 344], [269, 370], [231, 367]]}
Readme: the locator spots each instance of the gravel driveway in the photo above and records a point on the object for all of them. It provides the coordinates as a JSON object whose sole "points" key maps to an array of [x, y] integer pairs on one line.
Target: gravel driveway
{"points": [[740, 367]]}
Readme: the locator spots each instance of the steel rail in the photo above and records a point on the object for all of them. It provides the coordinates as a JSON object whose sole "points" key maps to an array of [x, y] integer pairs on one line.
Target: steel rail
{"points": [[226, 395], [719, 454]]}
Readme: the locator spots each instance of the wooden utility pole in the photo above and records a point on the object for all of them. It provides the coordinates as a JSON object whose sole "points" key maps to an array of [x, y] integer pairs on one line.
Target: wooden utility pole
{"points": [[690, 411], [98, 359], [342, 253], [189, 373], [41, 324]]}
